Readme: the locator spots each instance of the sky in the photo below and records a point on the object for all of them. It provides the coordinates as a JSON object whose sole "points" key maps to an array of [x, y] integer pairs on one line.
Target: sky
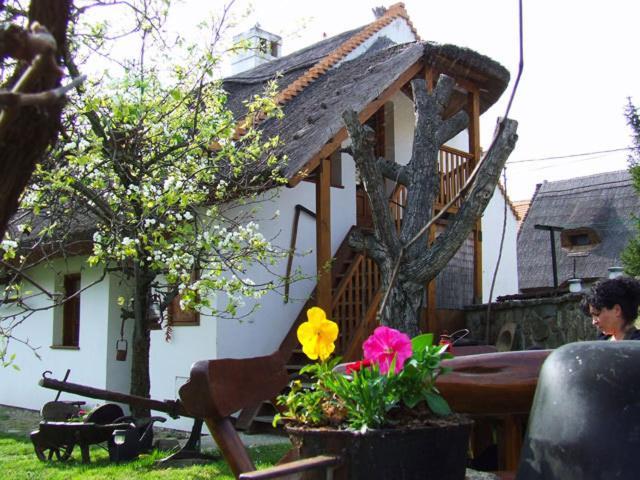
{"points": [[579, 68]]}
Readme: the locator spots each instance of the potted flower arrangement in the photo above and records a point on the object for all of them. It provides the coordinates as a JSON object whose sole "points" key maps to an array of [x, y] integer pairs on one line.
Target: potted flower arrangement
{"points": [[383, 414]]}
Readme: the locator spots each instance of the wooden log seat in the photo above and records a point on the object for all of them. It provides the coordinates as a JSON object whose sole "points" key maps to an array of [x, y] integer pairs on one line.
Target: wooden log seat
{"points": [[492, 383], [495, 389]]}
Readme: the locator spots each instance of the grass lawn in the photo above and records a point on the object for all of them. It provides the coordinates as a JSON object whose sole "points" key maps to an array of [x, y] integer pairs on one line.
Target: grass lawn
{"points": [[18, 462]]}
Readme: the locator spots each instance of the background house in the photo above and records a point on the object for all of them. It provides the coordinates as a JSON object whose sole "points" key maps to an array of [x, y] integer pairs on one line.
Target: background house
{"points": [[596, 215], [367, 69]]}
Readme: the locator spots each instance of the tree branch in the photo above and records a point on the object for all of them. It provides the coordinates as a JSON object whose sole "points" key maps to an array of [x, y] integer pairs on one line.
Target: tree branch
{"points": [[364, 242], [13, 99], [21, 44], [452, 126], [424, 165], [393, 171], [446, 244], [362, 141], [103, 209]]}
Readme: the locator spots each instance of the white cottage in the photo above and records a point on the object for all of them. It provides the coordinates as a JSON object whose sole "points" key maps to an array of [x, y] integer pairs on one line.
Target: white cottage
{"points": [[367, 69]]}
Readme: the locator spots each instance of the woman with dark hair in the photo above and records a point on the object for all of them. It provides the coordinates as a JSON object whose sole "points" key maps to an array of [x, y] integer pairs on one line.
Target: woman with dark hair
{"points": [[613, 307]]}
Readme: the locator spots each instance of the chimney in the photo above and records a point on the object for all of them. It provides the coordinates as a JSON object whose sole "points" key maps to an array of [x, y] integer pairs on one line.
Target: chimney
{"points": [[261, 47]]}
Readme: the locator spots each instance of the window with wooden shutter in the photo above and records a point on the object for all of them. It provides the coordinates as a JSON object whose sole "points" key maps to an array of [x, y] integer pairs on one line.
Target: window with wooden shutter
{"points": [[178, 317], [71, 311]]}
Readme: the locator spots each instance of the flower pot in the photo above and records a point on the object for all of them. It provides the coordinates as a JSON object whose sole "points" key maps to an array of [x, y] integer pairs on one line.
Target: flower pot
{"points": [[437, 452]]}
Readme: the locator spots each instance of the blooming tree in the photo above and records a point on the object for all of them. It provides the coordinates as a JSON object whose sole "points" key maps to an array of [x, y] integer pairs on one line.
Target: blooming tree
{"points": [[152, 170]]}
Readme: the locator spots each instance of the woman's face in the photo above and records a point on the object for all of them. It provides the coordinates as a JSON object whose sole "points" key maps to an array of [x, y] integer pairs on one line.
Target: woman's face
{"points": [[608, 320]]}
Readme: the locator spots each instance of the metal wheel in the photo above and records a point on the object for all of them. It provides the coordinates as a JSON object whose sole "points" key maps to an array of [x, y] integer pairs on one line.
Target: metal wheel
{"points": [[47, 452]]}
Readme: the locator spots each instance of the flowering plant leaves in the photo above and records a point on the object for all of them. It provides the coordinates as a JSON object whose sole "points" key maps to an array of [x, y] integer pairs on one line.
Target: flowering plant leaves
{"points": [[396, 372]]}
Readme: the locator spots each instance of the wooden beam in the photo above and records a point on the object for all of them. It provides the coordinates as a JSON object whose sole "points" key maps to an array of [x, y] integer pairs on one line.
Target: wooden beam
{"points": [[323, 235], [475, 150], [429, 77], [335, 142]]}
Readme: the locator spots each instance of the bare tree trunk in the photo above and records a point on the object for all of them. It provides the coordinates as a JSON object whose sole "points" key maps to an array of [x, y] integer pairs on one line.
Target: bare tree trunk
{"points": [[32, 129], [419, 263], [141, 347], [404, 307]]}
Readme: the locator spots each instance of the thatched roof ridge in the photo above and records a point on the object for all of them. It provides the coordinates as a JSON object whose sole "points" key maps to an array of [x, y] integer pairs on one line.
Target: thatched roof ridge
{"points": [[284, 70], [604, 202]]}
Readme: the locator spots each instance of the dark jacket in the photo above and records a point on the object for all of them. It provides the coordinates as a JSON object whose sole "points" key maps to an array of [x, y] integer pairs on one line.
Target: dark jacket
{"points": [[633, 334]]}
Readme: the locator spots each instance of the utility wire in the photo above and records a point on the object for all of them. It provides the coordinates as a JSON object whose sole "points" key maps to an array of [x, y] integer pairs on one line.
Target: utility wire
{"points": [[573, 155], [500, 250]]}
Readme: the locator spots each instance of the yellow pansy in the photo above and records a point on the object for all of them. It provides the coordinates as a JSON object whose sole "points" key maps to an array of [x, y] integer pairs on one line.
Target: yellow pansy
{"points": [[317, 334]]}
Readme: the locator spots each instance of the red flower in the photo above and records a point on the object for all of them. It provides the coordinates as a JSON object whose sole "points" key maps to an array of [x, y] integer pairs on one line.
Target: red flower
{"points": [[357, 366]]}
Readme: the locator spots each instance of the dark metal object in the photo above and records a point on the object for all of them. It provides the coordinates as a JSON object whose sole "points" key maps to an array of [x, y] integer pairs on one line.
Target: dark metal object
{"points": [[585, 418], [59, 438], [191, 450], [552, 237], [173, 408]]}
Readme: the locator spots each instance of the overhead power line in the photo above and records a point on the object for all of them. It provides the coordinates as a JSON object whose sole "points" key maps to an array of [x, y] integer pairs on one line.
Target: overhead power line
{"points": [[569, 156]]}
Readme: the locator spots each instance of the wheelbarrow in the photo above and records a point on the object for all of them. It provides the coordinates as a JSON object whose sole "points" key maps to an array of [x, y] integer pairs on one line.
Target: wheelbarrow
{"points": [[57, 439]]}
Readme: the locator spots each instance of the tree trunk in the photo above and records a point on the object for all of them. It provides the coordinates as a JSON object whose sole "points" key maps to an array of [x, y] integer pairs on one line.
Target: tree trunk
{"points": [[140, 377], [33, 129], [404, 306]]}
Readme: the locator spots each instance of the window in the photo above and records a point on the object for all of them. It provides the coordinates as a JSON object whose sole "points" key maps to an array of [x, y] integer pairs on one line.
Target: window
{"points": [[582, 239], [67, 316], [336, 169], [181, 318], [178, 317]]}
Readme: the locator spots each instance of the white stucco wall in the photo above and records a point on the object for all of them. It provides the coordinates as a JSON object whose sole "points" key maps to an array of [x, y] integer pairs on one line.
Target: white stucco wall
{"points": [[87, 364], [260, 332], [492, 221]]}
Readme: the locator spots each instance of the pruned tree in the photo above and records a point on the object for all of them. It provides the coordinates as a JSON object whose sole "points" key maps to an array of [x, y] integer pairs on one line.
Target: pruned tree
{"points": [[405, 261]]}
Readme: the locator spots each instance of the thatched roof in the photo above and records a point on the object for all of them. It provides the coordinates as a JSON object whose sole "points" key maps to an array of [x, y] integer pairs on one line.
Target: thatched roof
{"points": [[605, 203], [314, 116], [316, 85]]}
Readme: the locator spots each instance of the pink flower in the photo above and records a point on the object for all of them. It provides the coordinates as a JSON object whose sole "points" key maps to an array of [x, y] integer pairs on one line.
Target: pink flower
{"points": [[385, 344]]}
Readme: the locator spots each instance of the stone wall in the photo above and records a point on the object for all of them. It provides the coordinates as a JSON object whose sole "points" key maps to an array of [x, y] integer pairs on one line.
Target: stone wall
{"points": [[540, 322]]}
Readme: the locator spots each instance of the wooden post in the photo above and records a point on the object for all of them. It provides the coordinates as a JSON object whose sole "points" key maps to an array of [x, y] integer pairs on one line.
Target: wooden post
{"points": [[323, 235], [429, 75], [474, 149]]}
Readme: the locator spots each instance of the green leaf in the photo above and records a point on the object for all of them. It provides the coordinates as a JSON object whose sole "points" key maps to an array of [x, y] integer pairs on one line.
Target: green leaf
{"points": [[437, 404], [421, 342], [276, 419]]}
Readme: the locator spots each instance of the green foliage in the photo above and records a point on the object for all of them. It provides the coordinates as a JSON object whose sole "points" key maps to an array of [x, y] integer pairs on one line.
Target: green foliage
{"points": [[630, 256], [363, 399]]}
